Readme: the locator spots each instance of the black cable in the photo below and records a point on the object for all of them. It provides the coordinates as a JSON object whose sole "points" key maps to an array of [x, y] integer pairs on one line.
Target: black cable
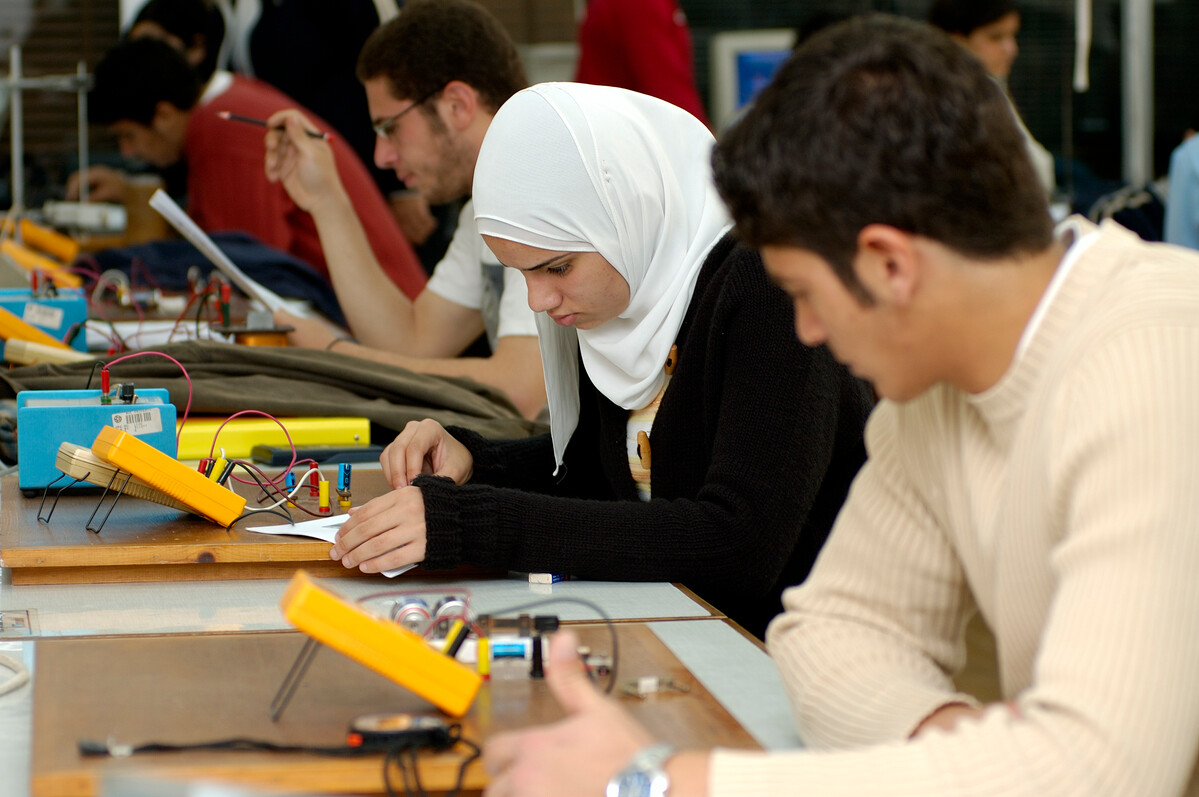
{"points": [[465, 762], [89, 747], [284, 514]]}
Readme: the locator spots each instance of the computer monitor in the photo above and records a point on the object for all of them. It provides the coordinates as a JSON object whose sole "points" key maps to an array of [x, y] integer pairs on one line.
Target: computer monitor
{"points": [[741, 63]]}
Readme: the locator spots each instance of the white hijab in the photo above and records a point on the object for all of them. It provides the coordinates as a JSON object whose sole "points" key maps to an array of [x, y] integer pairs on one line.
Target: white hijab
{"points": [[569, 167]]}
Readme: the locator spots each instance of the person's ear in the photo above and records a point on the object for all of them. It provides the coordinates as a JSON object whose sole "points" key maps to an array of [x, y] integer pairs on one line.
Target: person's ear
{"points": [[459, 103], [165, 115], [887, 264]]}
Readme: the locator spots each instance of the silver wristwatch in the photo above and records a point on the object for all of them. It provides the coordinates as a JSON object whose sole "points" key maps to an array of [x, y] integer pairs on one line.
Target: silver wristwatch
{"points": [[644, 776]]}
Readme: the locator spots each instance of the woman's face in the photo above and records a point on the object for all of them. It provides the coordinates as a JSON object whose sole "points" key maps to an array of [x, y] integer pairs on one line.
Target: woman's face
{"points": [[995, 44], [575, 289]]}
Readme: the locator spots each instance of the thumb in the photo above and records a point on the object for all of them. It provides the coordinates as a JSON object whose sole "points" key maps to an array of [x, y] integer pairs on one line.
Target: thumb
{"points": [[566, 676]]}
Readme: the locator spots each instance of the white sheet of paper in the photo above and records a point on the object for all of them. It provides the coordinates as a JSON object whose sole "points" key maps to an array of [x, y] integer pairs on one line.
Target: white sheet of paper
{"points": [[162, 202], [321, 528]]}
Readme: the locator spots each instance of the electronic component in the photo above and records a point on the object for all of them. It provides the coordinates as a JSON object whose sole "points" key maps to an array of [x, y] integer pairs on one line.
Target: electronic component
{"points": [[80, 462], [48, 418], [24, 352], [239, 436], [169, 475], [390, 731], [384, 646], [412, 613], [13, 327], [55, 314]]}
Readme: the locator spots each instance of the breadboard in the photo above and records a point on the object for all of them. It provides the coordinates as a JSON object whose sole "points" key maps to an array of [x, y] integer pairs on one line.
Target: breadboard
{"points": [[80, 462], [169, 475], [385, 647]]}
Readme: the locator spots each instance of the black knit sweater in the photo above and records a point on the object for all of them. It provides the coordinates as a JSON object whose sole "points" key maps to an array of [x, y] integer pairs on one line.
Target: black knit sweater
{"points": [[753, 449]]}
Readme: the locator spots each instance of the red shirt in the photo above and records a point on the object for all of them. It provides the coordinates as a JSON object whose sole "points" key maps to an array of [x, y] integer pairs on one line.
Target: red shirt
{"points": [[227, 187], [642, 45]]}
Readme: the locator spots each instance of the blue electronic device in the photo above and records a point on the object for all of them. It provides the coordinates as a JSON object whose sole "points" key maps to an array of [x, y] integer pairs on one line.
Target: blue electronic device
{"points": [[48, 418], [54, 315]]}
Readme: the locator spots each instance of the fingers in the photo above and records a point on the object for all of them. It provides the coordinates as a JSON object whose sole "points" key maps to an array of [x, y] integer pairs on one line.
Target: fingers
{"points": [[384, 533], [566, 677], [411, 453]]}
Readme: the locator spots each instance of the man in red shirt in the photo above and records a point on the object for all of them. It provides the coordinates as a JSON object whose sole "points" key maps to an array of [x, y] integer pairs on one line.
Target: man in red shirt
{"points": [[151, 100]]}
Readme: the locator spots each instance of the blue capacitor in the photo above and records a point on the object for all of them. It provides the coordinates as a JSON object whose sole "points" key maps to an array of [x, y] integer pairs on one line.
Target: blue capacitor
{"points": [[343, 476]]}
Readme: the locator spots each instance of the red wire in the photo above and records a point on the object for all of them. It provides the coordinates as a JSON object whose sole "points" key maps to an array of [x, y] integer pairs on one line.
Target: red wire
{"points": [[186, 376]]}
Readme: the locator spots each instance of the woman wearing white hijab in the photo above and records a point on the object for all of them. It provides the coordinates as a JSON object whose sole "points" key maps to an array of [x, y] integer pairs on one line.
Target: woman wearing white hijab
{"points": [[694, 395]]}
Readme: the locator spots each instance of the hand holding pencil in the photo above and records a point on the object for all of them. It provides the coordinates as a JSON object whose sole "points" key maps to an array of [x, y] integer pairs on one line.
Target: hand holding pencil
{"points": [[303, 163], [236, 117]]}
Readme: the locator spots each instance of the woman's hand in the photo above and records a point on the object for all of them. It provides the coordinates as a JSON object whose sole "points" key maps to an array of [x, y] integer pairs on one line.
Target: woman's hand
{"points": [[384, 533], [425, 447]]}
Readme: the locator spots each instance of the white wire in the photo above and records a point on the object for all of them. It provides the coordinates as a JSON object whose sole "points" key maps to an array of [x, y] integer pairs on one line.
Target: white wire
{"points": [[300, 484], [20, 674]]}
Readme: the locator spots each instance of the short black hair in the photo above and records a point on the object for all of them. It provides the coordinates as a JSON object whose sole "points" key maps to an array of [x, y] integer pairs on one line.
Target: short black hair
{"points": [[187, 20], [133, 77], [882, 120], [433, 42], [963, 17]]}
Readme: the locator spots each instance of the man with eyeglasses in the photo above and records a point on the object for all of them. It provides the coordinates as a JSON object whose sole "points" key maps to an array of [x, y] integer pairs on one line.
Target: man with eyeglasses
{"points": [[434, 78]]}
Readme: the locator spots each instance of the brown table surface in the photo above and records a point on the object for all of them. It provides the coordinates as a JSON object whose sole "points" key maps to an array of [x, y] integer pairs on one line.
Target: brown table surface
{"points": [[144, 541], [193, 688]]}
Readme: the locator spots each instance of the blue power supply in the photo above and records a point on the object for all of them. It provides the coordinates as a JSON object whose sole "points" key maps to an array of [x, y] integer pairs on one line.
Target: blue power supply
{"points": [[48, 418], [54, 315]]}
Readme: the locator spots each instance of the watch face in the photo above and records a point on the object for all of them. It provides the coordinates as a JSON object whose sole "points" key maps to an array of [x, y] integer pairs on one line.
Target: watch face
{"points": [[639, 783]]}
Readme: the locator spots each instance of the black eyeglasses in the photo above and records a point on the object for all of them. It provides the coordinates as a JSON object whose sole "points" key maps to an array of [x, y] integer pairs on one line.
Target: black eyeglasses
{"points": [[384, 128]]}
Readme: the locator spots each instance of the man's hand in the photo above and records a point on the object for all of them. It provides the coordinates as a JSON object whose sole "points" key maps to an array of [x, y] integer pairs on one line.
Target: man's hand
{"points": [[575, 756], [103, 185], [425, 447], [303, 164]]}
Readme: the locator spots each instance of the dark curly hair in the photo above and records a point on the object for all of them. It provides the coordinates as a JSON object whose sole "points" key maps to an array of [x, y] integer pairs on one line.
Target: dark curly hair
{"points": [[433, 42], [963, 17], [133, 77]]}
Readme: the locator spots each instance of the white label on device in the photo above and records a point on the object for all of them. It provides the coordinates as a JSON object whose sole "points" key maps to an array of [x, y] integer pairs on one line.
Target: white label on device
{"points": [[42, 315], [138, 422]]}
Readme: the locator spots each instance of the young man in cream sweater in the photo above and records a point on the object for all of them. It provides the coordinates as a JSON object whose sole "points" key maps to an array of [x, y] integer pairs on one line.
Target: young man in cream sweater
{"points": [[1034, 460]]}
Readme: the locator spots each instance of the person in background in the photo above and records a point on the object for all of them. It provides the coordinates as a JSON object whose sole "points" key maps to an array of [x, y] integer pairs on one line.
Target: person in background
{"points": [[268, 37], [434, 77], [151, 100], [641, 45], [1033, 459], [692, 438], [1182, 205], [988, 29]]}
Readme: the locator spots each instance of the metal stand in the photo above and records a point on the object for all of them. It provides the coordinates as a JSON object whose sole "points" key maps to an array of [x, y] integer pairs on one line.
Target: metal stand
{"points": [[79, 83]]}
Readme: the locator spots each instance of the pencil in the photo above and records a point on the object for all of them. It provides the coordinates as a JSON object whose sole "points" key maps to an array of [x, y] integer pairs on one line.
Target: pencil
{"points": [[235, 117]]}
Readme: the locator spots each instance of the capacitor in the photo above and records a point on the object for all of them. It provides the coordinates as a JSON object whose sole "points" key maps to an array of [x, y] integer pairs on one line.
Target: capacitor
{"points": [[412, 613]]}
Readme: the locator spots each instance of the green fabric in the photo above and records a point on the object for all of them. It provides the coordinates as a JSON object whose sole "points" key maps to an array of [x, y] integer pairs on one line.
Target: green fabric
{"points": [[285, 381]]}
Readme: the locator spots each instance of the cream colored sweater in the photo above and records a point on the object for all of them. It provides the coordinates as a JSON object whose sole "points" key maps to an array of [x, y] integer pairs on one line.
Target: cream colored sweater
{"points": [[1063, 503]]}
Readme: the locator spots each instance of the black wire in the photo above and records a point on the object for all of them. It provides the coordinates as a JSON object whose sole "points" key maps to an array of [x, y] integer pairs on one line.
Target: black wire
{"points": [[465, 762], [284, 514], [92, 373], [235, 743]]}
